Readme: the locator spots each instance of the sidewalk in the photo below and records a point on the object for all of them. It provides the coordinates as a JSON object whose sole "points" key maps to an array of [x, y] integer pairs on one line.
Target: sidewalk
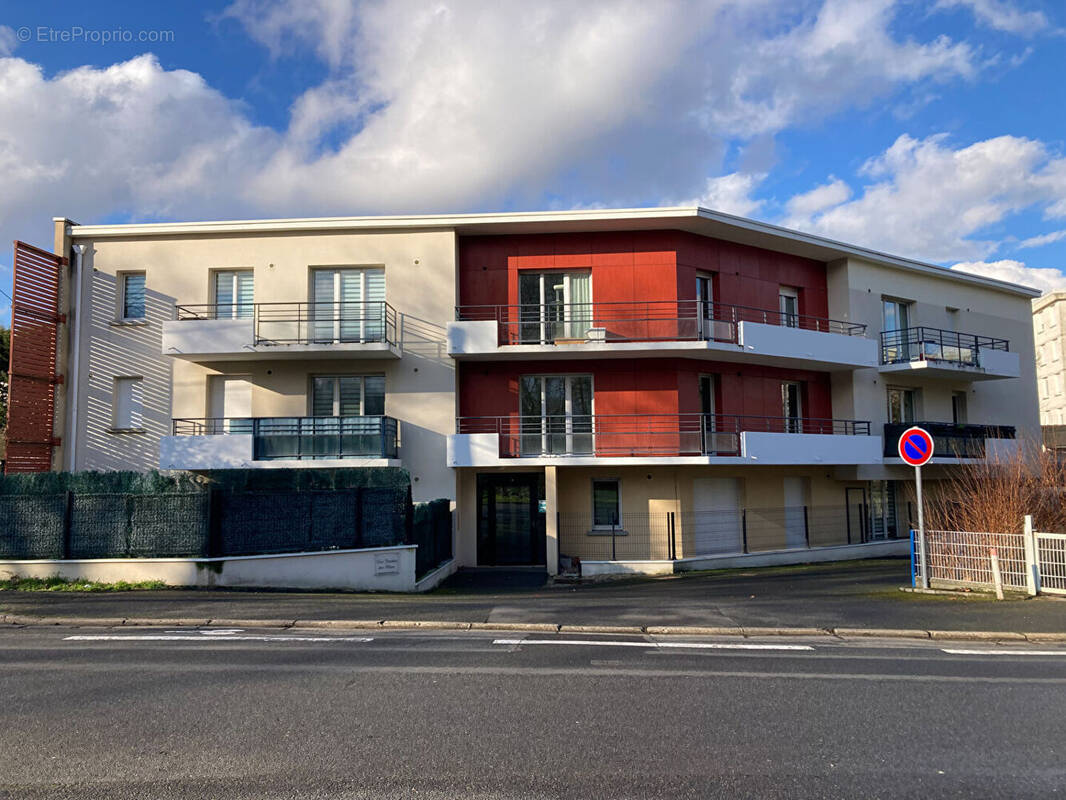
{"points": [[826, 596]]}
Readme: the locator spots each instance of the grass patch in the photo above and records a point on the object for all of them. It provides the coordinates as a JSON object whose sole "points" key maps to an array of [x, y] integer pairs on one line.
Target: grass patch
{"points": [[58, 584]]}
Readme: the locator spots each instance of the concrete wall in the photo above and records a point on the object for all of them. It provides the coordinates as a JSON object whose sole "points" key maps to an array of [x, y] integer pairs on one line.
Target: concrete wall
{"points": [[379, 569], [420, 285]]}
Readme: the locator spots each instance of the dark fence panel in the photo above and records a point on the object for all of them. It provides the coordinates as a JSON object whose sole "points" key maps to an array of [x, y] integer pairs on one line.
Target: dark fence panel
{"points": [[384, 517], [432, 532], [31, 526], [633, 537]]}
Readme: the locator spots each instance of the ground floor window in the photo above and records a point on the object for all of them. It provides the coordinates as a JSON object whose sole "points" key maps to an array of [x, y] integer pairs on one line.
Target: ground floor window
{"points": [[606, 502]]}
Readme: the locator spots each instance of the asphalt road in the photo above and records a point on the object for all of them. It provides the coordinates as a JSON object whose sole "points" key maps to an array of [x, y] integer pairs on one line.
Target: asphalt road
{"points": [[847, 594], [263, 713]]}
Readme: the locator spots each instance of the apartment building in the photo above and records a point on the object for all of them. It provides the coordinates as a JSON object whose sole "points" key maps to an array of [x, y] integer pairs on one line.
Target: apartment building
{"points": [[616, 385], [1049, 334]]}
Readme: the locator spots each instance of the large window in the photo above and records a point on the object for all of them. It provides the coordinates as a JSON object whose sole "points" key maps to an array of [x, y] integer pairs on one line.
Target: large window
{"points": [[792, 406], [606, 503], [133, 306], [788, 305], [127, 405], [348, 305], [554, 305], [347, 395], [556, 414], [901, 404], [234, 294]]}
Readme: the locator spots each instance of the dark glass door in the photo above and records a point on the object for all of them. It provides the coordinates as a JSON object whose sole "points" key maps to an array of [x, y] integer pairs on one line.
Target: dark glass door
{"points": [[510, 519]]}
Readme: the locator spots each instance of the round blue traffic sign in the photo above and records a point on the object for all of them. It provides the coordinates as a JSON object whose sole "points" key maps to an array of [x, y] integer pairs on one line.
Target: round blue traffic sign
{"points": [[915, 446]]}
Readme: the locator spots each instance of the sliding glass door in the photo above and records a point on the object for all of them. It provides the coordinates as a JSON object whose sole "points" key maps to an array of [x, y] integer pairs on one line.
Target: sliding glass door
{"points": [[348, 305], [556, 414], [554, 305]]}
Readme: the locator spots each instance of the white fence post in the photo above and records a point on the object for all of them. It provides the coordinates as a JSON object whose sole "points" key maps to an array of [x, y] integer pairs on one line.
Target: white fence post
{"points": [[1032, 568]]}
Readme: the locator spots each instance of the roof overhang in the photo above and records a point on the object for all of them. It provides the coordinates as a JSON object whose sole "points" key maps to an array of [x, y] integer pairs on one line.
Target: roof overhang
{"points": [[694, 219]]}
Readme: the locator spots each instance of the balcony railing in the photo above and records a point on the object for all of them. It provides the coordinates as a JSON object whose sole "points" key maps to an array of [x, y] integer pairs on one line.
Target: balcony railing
{"points": [[935, 344], [303, 438], [638, 321], [949, 440], [306, 322], [607, 435]]}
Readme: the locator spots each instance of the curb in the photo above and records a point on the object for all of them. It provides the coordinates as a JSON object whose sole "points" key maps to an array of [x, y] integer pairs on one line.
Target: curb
{"points": [[529, 627]]}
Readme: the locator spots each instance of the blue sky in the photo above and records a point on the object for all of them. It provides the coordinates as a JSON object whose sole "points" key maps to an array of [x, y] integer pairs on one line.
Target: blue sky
{"points": [[928, 128]]}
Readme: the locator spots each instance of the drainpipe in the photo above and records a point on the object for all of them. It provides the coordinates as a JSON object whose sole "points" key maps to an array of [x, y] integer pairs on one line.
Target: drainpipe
{"points": [[72, 386]]}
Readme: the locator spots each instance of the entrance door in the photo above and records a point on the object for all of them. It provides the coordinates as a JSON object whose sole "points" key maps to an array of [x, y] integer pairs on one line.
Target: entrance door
{"points": [[510, 519], [716, 516], [229, 404]]}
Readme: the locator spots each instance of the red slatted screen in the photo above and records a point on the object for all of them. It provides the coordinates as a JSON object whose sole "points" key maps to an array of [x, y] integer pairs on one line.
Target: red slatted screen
{"points": [[32, 376]]}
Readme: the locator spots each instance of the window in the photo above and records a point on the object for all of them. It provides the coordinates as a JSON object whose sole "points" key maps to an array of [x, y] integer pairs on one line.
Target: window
{"points": [[901, 404], [234, 293], [554, 305], [958, 408], [127, 405], [348, 305], [792, 406], [556, 413], [606, 503], [896, 315], [348, 395], [133, 295], [788, 305], [1043, 388]]}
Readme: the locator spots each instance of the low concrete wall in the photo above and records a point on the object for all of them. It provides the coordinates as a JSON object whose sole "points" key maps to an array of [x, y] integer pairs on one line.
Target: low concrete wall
{"points": [[377, 569], [432, 580], [773, 558]]}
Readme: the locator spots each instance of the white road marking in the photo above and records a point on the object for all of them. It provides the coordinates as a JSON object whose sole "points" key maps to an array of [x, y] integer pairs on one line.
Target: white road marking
{"points": [[162, 637], [646, 645], [1004, 652]]}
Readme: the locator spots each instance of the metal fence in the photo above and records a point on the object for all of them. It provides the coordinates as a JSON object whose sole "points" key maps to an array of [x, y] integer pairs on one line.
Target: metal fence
{"points": [[200, 524], [1051, 562], [316, 322], [670, 535], [431, 530], [936, 344], [963, 558]]}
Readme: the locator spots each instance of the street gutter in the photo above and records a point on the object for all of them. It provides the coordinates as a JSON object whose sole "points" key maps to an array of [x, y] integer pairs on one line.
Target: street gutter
{"points": [[529, 627]]}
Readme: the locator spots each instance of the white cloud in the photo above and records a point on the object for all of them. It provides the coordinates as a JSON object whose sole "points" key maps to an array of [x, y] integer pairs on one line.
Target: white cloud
{"points": [[928, 200], [816, 201], [1042, 239], [730, 194], [1045, 279], [8, 41], [1002, 15]]}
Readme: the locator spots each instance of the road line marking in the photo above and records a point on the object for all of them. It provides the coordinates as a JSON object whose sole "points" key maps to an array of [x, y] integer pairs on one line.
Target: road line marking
{"points": [[208, 639], [675, 645], [960, 652]]}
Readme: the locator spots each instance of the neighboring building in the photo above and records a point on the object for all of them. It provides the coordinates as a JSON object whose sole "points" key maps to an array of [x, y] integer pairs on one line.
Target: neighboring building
{"points": [[1049, 335], [620, 384]]}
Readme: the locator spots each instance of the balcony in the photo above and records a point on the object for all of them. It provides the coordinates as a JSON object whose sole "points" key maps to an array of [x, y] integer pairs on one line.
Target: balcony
{"points": [[242, 443], [936, 353], [282, 330], [686, 328], [660, 438], [955, 443]]}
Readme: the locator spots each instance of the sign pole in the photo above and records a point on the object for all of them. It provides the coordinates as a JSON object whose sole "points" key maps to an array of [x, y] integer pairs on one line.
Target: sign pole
{"points": [[921, 528]]}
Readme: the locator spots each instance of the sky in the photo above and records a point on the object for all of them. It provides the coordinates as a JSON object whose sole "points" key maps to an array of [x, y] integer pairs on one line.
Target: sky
{"points": [[931, 129]]}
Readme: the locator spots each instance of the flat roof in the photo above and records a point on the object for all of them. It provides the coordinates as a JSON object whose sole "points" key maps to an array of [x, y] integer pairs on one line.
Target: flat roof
{"points": [[694, 219]]}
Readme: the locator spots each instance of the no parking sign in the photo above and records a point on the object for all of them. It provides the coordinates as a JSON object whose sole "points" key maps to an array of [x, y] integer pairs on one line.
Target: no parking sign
{"points": [[916, 448]]}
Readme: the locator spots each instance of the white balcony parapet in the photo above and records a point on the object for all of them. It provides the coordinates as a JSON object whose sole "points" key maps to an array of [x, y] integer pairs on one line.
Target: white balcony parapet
{"points": [[235, 451]]}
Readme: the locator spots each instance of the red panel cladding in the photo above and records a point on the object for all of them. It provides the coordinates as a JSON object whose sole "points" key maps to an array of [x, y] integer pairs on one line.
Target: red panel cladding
{"points": [[633, 266], [32, 375]]}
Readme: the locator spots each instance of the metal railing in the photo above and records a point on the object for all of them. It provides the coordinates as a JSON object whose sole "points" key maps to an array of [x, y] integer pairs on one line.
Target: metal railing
{"points": [[638, 321], [641, 434], [305, 322], [949, 440], [303, 438], [935, 344], [963, 558], [667, 535]]}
